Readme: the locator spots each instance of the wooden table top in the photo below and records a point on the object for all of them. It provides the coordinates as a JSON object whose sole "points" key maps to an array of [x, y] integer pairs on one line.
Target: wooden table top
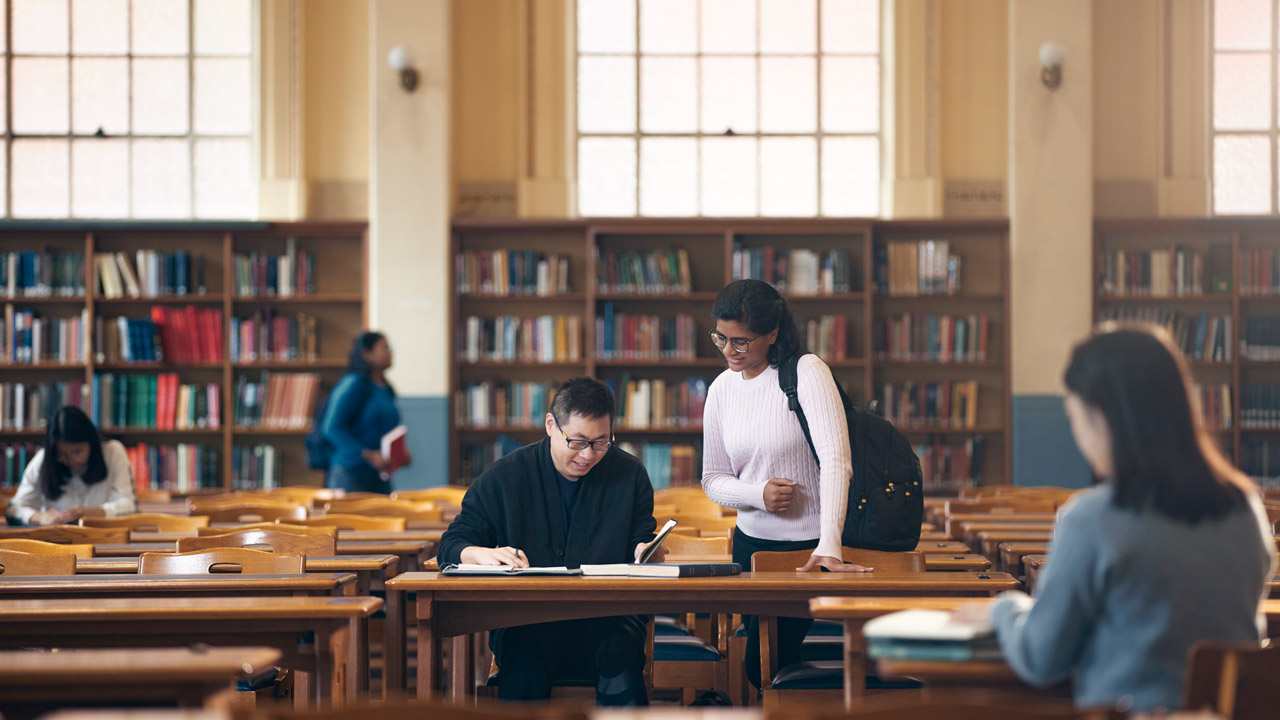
{"points": [[949, 547], [213, 582], [23, 668], [315, 563], [968, 562], [195, 608], [354, 536], [400, 547]]}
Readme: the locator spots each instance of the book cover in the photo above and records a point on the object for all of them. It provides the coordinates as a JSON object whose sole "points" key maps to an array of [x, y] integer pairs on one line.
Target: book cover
{"points": [[394, 450], [678, 569]]}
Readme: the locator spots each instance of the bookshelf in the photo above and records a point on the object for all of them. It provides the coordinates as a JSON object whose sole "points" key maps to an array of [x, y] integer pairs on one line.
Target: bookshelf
{"points": [[331, 255], [702, 256]]}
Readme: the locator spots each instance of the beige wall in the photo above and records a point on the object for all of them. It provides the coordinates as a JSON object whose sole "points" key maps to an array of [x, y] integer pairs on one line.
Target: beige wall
{"points": [[336, 64]]}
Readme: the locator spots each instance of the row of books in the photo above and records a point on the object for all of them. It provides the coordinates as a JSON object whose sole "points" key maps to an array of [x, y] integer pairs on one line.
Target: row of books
{"points": [[1261, 460], [1166, 273], [1215, 405], [659, 404], [255, 467], [181, 468], [278, 400], [155, 273], [924, 267], [502, 273], [14, 457], [508, 338], [41, 273], [827, 337], [932, 338], [1259, 272], [1260, 338], [476, 457], [653, 272], [1260, 405], [1200, 336], [27, 338], [154, 402], [260, 274], [622, 336], [950, 466], [267, 336], [129, 340], [947, 403], [514, 404], [189, 335], [28, 406], [668, 464], [796, 271]]}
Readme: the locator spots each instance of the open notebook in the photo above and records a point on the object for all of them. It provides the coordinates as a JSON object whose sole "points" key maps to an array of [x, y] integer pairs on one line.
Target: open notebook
{"points": [[468, 569], [930, 635]]}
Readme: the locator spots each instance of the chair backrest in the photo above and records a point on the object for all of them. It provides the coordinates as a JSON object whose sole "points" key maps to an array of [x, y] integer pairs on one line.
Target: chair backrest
{"points": [[149, 522], [1237, 682], [300, 494], [16, 563], [420, 709], [943, 704], [40, 547], [154, 496], [386, 507], [247, 512], [220, 560], [442, 495], [68, 534], [876, 559], [274, 540], [996, 506], [345, 521], [687, 545], [323, 530], [706, 523]]}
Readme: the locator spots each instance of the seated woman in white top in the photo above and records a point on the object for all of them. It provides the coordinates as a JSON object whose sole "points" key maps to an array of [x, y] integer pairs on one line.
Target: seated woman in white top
{"points": [[75, 475]]}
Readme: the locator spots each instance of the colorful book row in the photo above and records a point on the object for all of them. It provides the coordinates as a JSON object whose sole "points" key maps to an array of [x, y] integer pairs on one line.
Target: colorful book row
{"points": [[255, 467], [155, 274], [654, 272], [1166, 273], [27, 338], [154, 402], [796, 271], [1200, 336], [1260, 405], [181, 468], [278, 400], [622, 336], [270, 275], [646, 404], [932, 338], [668, 464], [514, 404], [1261, 460], [502, 273], [948, 403], [1260, 272], [1260, 338], [28, 406], [924, 267], [266, 336], [14, 457], [827, 337], [478, 456], [41, 273], [951, 466], [1215, 405], [508, 338]]}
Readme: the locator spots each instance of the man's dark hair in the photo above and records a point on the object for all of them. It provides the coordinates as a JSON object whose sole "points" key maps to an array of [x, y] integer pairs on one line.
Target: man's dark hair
{"points": [[583, 396]]}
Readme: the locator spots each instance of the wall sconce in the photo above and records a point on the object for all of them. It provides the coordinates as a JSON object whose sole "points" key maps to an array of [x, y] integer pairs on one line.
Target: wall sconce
{"points": [[1052, 55], [400, 61]]}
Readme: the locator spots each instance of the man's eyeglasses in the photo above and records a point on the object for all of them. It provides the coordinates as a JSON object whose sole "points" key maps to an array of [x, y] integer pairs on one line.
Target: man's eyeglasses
{"points": [[596, 445], [740, 345]]}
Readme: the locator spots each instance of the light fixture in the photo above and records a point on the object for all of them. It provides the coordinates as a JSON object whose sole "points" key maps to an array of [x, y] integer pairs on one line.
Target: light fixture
{"points": [[400, 61], [1052, 55]]}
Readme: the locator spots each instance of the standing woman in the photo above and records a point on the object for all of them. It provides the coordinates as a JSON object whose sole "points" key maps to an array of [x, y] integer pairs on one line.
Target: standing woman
{"points": [[755, 458], [362, 408], [74, 475]]}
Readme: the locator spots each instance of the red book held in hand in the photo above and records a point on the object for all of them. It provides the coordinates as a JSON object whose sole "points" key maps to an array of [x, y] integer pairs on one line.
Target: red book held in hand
{"points": [[394, 450]]}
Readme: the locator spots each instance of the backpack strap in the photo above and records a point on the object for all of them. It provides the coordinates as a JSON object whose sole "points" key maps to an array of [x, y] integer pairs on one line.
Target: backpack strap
{"points": [[788, 380]]}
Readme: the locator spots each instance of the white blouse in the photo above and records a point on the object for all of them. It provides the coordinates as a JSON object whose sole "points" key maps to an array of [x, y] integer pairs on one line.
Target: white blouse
{"points": [[115, 494]]}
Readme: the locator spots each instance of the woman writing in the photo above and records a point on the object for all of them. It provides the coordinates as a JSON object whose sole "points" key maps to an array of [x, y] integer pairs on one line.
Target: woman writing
{"points": [[362, 408]]}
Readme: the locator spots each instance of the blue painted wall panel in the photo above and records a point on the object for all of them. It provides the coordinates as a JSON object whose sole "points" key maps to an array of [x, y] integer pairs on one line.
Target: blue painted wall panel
{"points": [[1044, 452], [427, 419]]}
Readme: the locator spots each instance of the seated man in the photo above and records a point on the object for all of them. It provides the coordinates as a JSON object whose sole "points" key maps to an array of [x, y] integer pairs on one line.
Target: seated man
{"points": [[569, 499]]}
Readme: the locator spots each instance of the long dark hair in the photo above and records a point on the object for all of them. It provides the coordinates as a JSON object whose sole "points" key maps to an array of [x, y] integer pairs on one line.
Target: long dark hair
{"points": [[1162, 455], [758, 305], [355, 360], [70, 424]]}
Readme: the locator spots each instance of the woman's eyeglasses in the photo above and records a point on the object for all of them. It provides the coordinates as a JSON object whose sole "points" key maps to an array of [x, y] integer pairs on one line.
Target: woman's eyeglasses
{"points": [[596, 445], [740, 345]]}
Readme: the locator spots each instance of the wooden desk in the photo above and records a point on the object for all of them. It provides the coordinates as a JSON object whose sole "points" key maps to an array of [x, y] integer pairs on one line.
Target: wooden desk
{"points": [[33, 683], [942, 547], [337, 625], [371, 571], [935, 535], [411, 553], [1033, 564], [450, 606], [359, 536], [971, 532], [955, 523], [1012, 554], [221, 584], [989, 540], [934, 562]]}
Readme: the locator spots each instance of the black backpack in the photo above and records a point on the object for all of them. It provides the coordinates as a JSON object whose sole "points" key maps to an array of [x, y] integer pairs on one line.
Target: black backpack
{"points": [[319, 449], [886, 494]]}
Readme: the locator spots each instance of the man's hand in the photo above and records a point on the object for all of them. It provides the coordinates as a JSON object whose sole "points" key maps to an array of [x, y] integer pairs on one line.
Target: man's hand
{"points": [[659, 553], [408, 457], [973, 613], [374, 458], [505, 555], [832, 564], [778, 493]]}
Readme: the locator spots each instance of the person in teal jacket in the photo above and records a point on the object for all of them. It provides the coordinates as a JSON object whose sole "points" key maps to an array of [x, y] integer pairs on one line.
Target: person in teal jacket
{"points": [[362, 408]]}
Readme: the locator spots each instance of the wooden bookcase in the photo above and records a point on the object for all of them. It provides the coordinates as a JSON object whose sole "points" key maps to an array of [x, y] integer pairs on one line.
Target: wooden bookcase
{"points": [[710, 245], [339, 302]]}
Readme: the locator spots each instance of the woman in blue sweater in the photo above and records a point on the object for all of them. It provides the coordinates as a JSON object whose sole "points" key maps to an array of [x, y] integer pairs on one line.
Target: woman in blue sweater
{"points": [[362, 408], [1171, 548]]}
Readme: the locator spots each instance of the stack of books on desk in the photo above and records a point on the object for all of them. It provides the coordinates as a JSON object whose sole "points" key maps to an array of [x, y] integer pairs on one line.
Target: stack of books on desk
{"points": [[930, 636]]}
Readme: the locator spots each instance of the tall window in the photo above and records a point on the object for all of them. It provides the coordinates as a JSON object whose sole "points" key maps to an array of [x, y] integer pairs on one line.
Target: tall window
{"points": [[128, 109], [1244, 107], [729, 107]]}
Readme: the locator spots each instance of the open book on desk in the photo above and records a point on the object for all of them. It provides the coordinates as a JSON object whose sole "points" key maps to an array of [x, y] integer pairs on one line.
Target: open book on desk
{"points": [[469, 569], [662, 570], [930, 635]]}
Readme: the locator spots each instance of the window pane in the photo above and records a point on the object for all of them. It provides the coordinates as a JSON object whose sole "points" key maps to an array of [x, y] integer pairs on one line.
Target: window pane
{"points": [[222, 27], [160, 97], [606, 177], [851, 176], [850, 26], [4, 36], [668, 26], [788, 94], [789, 176], [1242, 24], [729, 176], [100, 178], [668, 94], [850, 94], [222, 103], [669, 176], [4, 98], [788, 26], [100, 27], [4, 176], [728, 94], [100, 96], [40, 178], [1242, 91], [223, 175], [40, 27], [728, 26], [40, 94], [161, 172], [1242, 175], [606, 94], [607, 26], [160, 27]]}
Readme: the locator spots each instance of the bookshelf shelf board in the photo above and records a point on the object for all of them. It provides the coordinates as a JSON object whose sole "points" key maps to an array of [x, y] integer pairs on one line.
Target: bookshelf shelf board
{"points": [[1243, 363], [210, 432], [847, 363], [517, 364], [1203, 297], [496, 429], [291, 365], [189, 299], [1258, 430], [567, 297], [847, 297], [947, 430], [256, 430], [1216, 363], [14, 367], [695, 362], [42, 299], [314, 299], [981, 364], [157, 366], [940, 298], [26, 433], [668, 297], [620, 430]]}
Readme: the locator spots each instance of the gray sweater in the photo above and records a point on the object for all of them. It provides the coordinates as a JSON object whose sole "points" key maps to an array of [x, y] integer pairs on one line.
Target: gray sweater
{"points": [[1125, 595]]}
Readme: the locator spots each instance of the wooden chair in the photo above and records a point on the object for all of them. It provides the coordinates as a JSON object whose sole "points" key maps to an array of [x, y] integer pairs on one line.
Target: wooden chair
{"points": [[246, 512], [220, 560], [344, 521], [386, 507], [1236, 682], [1001, 505], [423, 709], [946, 705], [149, 522], [442, 495], [664, 511], [68, 534], [311, 496], [16, 563], [714, 524], [322, 530], [274, 540], [154, 496], [687, 545], [40, 547]]}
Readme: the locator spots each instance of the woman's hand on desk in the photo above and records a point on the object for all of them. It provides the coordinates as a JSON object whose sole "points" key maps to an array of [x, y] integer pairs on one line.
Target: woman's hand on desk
{"points": [[659, 553], [832, 564], [505, 555]]}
